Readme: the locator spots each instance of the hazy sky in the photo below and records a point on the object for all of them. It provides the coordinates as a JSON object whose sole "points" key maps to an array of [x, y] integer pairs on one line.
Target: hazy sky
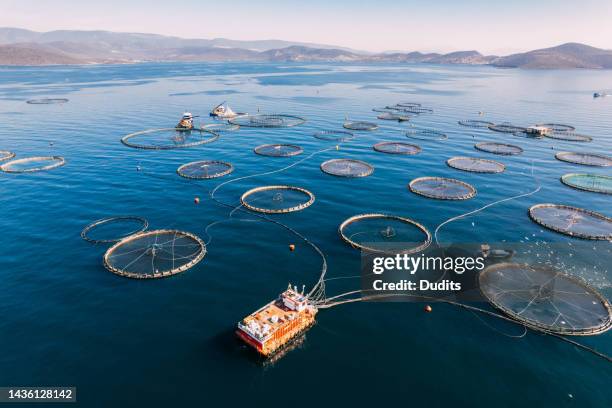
{"points": [[489, 26]]}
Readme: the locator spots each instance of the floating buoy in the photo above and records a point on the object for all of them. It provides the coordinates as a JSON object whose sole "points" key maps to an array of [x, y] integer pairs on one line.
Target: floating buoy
{"points": [[291, 247], [428, 309], [137, 168], [337, 147], [196, 200]]}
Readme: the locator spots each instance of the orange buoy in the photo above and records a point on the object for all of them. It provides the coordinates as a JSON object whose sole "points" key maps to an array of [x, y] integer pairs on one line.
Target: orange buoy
{"points": [[291, 247], [428, 309], [196, 200]]}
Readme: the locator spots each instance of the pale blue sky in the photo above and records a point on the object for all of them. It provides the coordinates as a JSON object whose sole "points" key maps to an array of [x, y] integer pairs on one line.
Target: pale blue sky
{"points": [[444, 25]]}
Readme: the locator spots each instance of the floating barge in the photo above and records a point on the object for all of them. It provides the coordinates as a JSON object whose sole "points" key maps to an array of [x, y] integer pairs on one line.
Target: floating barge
{"points": [[277, 324]]}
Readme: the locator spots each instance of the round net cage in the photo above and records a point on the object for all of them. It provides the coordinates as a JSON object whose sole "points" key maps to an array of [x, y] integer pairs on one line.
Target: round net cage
{"points": [[408, 105], [569, 136], [47, 101], [360, 125], [393, 116], [334, 135], [277, 199], [585, 159], [498, 148], [278, 150], [268, 120], [397, 148], [205, 169], [557, 127], [475, 123], [113, 229], [6, 155], [385, 109], [154, 254], [347, 168], [475, 165], [383, 233], [507, 128], [572, 221], [442, 188], [589, 182], [33, 164], [545, 299], [221, 127], [426, 134], [417, 109], [169, 138]]}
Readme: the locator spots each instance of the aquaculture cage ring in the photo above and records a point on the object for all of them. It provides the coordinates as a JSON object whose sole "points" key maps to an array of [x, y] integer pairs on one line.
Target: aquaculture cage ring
{"points": [[360, 125], [6, 155], [585, 159], [130, 223], [393, 116], [573, 221], [397, 148], [277, 199], [33, 164], [475, 165], [267, 120], [545, 299], [442, 188], [507, 128], [588, 182], [499, 148], [278, 150], [557, 127], [347, 168], [47, 101], [221, 127], [479, 124], [426, 134], [408, 105], [205, 169], [334, 135], [569, 136], [417, 110], [169, 138], [383, 233], [154, 254]]}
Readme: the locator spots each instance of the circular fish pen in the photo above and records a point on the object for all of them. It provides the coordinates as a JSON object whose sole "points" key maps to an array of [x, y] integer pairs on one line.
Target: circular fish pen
{"points": [[569, 136], [557, 127], [426, 134], [588, 182], [267, 121], [499, 148], [397, 148], [347, 168], [205, 169], [154, 254], [113, 229], [393, 116], [442, 188], [382, 233], [360, 125], [385, 109], [475, 165], [169, 138], [334, 135], [473, 123], [507, 128], [585, 159], [408, 105], [417, 109], [221, 127], [6, 155], [277, 199], [33, 164], [572, 221], [47, 101], [545, 299], [278, 150]]}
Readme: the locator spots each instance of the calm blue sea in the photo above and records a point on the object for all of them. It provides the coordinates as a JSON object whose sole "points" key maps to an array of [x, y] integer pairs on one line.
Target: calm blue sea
{"points": [[65, 320]]}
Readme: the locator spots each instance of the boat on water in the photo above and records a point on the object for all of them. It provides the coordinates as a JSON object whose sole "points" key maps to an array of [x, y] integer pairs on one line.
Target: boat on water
{"points": [[186, 122], [600, 94], [223, 111]]}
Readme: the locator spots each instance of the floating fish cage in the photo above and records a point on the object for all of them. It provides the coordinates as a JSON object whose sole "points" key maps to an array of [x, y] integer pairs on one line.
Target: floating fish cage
{"points": [[507, 128], [278, 150], [221, 127], [347, 168], [334, 135], [268, 120], [205, 169], [499, 148], [169, 138], [120, 227], [585, 159], [442, 188], [573, 221], [393, 116], [397, 148], [473, 123], [426, 134], [360, 125], [33, 164], [277, 199], [588, 182], [569, 136], [476, 165], [47, 101]]}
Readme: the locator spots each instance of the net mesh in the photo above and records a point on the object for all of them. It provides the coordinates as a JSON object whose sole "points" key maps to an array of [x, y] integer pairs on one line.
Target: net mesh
{"points": [[507, 128], [476, 165], [360, 125], [169, 138], [589, 182], [205, 169], [572, 221], [5, 155], [408, 105], [499, 148], [557, 127], [277, 199], [442, 188], [154, 254], [347, 168], [397, 148], [33, 164], [473, 123], [278, 150], [268, 120], [46, 101], [546, 299], [334, 135], [586, 159], [221, 127], [417, 109], [569, 136], [426, 134], [113, 229], [393, 116]]}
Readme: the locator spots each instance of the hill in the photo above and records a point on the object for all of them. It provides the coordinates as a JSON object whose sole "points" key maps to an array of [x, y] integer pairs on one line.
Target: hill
{"points": [[570, 55]]}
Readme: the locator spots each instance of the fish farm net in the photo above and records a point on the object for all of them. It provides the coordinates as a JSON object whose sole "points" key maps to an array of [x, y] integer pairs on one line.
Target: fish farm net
{"points": [[385, 109], [507, 128], [557, 127], [169, 138], [47, 101], [476, 165], [113, 229], [426, 134], [33, 164], [545, 299], [360, 125], [569, 136], [277, 199], [381, 233], [589, 182], [417, 109], [334, 135], [393, 116], [154, 254], [205, 169], [442, 188], [572, 221], [397, 148], [6, 155], [475, 123], [408, 105], [267, 120], [498, 148], [278, 150], [347, 168], [585, 159], [221, 127]]}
